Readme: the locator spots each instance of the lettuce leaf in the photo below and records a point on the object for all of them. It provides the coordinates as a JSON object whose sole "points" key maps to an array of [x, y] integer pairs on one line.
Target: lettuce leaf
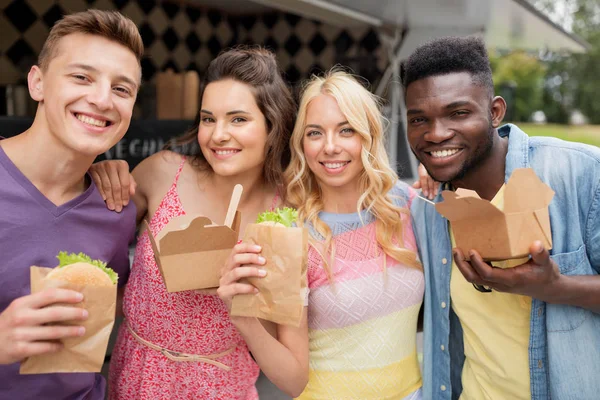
{"points": [[286, 216], [65, 259]]}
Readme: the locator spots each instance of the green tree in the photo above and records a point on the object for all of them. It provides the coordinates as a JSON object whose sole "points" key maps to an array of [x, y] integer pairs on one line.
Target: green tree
{"points": [[523, 72], [572, 81]]}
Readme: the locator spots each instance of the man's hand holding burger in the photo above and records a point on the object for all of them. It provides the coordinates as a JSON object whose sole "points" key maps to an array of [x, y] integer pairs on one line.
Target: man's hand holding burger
{"points": [[35, 324], [27, 326]]}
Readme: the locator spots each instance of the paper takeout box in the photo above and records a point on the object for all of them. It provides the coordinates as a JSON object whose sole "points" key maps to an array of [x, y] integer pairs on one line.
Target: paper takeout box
{"points": [[79, 354], [501, 235], [190, 251]]}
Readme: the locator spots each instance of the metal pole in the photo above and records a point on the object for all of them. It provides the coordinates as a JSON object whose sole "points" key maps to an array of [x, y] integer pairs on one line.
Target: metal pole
{"points": [[391, 80]]}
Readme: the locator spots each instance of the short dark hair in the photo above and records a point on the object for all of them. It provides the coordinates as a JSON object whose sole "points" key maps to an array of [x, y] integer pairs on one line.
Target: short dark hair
{"points": [[256, 67], [449, 55]]}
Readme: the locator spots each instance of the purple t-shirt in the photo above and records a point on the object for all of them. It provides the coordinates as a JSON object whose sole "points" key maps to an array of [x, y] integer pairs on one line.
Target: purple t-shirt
{"points": [[32, 232]]}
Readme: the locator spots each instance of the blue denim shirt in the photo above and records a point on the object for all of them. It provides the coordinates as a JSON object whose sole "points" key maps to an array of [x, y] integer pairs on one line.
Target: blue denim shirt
{"points": [[564, 345]]}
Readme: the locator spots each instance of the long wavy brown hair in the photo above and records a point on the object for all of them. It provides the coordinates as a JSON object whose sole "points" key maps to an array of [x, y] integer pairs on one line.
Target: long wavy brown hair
{"points": [[256, 67]]}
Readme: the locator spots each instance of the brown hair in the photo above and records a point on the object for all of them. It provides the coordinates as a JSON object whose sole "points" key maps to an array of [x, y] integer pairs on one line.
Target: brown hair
{"points": [[256, 67], [108, 24]]}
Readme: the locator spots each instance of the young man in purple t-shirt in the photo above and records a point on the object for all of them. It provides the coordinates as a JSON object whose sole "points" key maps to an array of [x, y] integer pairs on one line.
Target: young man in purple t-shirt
{"points": [[85, 83]]}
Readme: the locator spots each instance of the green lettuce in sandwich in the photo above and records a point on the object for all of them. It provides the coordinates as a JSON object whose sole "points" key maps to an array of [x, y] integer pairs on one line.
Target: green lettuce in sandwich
{"points": [[285, 216], [82, 270]]}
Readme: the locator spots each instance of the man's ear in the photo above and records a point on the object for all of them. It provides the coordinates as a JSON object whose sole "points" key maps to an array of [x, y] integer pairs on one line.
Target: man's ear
{"points": [[35, 82], [498, 110]]}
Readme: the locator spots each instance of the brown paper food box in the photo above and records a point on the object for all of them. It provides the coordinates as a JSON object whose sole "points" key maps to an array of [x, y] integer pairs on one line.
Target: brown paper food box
{"points": [[79, 354], [177, 95], [501, 235], [190, 251]]}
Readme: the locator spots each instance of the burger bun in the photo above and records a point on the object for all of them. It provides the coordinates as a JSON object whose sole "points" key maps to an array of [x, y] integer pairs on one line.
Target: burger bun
{"points": [[81, 273]]}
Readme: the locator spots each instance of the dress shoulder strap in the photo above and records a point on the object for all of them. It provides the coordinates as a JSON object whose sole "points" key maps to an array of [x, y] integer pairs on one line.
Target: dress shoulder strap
{"points": [[179, 170]]}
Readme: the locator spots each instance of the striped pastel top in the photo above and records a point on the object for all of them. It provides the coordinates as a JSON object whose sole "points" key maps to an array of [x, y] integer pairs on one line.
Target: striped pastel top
{"points": [[362, 329]]}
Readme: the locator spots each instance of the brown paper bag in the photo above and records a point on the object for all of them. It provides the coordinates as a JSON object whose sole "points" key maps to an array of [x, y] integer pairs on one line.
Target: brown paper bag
{"points": [[177, 94], [281, 293], [85, 353], [190, 97]]}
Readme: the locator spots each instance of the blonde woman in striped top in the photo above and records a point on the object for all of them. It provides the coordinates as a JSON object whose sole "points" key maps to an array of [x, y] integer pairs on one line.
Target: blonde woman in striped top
{"points": [[366, 283]]}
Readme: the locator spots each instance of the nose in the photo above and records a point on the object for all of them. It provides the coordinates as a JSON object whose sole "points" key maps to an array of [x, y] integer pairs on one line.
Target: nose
{"points": [[438, 132], [331, 146], [101, 96], [220, 133]]}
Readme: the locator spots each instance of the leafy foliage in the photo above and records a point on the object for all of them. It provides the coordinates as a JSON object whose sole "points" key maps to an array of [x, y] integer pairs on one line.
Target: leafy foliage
{"points": [[519, 78], [572, 81]]}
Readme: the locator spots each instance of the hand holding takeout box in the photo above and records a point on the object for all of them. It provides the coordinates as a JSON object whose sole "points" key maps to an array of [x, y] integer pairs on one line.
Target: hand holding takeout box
{"points": [[190, 250], [501, 235]]}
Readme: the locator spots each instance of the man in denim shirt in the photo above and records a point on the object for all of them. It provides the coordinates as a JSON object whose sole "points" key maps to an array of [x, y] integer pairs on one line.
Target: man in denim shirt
{"points": [[531, 331]]}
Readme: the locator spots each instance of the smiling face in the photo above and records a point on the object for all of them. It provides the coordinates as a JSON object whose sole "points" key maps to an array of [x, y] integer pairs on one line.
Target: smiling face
{"points": [[233, 131], [332, 148], [87, 92], [451, 124]]}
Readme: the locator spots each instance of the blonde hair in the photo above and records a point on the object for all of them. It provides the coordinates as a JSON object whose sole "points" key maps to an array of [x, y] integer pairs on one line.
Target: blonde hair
{"points": [[362, 110], [111, 25]]}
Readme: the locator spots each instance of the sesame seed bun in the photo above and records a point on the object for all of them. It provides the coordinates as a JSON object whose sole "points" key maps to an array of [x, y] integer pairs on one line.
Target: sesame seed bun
{"points": [[81, 274]]}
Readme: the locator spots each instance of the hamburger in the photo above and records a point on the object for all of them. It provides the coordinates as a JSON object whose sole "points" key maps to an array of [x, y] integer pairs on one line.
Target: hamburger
{"points": [[80, 269], [283, 217]]}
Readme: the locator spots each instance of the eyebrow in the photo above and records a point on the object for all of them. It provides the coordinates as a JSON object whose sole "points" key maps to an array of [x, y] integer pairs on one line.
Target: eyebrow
{"points": [[89, 68], [455, 104], [236, 112], [460, 103], [414, 111], [320, 127], [227, 113]]}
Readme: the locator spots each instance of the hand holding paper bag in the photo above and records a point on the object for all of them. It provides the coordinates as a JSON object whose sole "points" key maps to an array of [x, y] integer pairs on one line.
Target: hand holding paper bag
{"points": [[98, 284], [25, 329], [280, 292], [245, 261]]}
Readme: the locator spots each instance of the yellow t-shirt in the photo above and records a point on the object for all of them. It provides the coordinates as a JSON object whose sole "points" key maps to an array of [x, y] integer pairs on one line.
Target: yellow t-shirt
{"points": [[496, 337]]}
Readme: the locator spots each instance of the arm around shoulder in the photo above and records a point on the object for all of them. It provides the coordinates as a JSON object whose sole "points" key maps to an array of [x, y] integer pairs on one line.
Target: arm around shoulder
{"points": [[153, 176]]}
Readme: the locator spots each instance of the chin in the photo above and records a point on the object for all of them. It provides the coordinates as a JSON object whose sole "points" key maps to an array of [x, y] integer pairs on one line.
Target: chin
{"points": [[227, 171], [91, 148], [335, 183], [442, 175]]}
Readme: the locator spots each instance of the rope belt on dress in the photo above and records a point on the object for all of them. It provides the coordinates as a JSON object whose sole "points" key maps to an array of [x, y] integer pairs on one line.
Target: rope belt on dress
{"points": [[177, 356]]}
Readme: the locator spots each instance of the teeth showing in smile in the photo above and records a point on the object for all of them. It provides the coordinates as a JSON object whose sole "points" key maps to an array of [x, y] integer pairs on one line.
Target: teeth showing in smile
{"points": [[225, 152], [334, 165], [91, 121], [444, 153]]}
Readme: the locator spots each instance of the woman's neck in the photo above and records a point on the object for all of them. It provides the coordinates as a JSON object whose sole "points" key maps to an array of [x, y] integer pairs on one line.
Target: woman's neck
{"points": [[340, 200], [254, 185]]}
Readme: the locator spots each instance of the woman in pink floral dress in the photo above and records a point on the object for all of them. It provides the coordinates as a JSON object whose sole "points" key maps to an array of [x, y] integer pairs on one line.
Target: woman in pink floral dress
{"points": [[183, 345]]}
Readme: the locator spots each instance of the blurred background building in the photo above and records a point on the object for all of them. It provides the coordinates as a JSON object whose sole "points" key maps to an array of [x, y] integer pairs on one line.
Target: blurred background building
{"points": [[308, 36]]}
